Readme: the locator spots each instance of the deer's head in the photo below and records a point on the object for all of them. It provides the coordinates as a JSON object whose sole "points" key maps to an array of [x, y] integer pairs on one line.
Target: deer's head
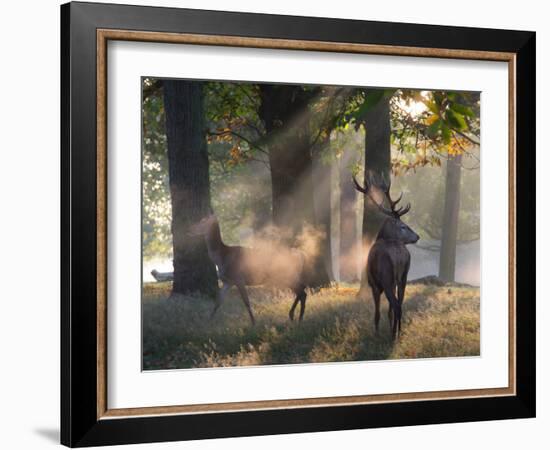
{"points": [[393, 229], [203, 227]]}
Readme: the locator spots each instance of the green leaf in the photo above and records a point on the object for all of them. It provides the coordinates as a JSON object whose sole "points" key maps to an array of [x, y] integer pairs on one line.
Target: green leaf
{"points": [[456, 120], [446, 133], [434, 128], [433, 107], [451, 96], [462, 109], [372, 98]]}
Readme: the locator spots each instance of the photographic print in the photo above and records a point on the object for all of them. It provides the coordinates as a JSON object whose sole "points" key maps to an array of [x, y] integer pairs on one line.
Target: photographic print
{"points": [[291, 224]]}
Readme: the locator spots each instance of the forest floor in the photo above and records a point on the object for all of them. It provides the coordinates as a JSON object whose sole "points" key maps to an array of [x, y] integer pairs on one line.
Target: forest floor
{"points": [[438, 321]]}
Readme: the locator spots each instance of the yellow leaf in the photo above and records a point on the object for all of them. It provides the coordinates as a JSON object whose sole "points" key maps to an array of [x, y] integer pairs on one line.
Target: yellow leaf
{"points": [[432, 119]]}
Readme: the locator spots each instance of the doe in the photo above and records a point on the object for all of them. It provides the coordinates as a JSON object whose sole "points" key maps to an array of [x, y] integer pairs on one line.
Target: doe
{"points": [[242, 266]]}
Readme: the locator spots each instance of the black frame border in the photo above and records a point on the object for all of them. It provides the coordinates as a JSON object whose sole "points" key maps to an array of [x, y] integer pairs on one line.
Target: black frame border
{"points": [[79, 423]]}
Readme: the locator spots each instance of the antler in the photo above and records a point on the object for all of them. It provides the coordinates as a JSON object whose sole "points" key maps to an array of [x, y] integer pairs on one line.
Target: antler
{"points": [[402, 211], [367, 191], [385, 187], [393, 203]]}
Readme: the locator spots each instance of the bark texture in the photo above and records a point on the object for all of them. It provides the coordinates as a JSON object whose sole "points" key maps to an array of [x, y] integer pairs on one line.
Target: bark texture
{"points": [[377, 161], [189, 185], [322, 180], [348, 220], [447, 256], [284, 112]]}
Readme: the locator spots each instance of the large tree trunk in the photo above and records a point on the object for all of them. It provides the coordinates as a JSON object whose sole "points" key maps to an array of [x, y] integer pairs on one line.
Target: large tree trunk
{"points": [[447, 256], [378, 162], [322, 176], [189, 185], [348, 218], [284, 111], [290, 162]]}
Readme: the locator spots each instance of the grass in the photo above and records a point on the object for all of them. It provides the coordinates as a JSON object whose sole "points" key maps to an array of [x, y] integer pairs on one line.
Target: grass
{"points": [[177, 333]]}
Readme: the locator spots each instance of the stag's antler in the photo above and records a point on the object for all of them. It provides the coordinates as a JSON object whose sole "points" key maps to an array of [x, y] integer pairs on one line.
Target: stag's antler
{"points": [[393, 203], [367, 190], [385, 188]]}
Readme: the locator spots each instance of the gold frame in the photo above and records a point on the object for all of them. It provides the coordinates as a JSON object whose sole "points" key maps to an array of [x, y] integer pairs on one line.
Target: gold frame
{"points": [[103, 36]]}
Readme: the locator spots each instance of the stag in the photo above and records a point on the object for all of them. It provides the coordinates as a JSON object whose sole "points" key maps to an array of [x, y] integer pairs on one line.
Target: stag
{"points": [[242, 266], [389, 260]]}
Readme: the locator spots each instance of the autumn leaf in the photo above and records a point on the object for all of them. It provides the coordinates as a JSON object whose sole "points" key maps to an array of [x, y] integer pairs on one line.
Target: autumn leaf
{"points": [[431, 119]]}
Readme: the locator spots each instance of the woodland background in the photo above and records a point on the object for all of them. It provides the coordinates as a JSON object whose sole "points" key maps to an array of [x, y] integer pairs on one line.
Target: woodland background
{"points": [[285, 155], [275, 164]]}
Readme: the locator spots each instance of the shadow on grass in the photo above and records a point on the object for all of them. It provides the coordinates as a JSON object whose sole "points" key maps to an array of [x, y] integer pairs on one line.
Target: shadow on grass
{"points": [[337, 326]]}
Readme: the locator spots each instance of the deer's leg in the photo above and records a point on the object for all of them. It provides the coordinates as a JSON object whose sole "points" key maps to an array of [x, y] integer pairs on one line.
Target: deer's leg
{"points": [[302, 297], [376, 297], [244, 295], [395, 306], [401, 296], [291, 312], [220, 298], [390, 313]]}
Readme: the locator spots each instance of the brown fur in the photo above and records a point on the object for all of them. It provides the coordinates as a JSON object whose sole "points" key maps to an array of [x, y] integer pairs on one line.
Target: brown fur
{"points": [[242, 266]]}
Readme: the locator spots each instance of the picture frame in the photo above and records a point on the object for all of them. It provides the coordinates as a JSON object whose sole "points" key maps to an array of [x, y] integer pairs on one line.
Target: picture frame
{"points": [[86, 28]]}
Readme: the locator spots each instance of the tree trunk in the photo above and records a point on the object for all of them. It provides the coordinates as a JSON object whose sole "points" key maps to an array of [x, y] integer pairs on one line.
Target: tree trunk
{"points": [[284, 111], [323, 205], [447, 256], [189, 185], [377, 161], [290, 163], [348, 218]]}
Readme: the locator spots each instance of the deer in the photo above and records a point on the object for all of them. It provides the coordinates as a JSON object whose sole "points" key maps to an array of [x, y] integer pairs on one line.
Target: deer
{"points": [[389, 260], [243, 266]]}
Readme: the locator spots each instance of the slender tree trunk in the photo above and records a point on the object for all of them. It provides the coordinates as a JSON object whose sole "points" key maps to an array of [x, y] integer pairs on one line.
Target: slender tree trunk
{"points": [[284, 111], [189, 185], [447, 256], [377, 161], [348, 219], [322, 176]]}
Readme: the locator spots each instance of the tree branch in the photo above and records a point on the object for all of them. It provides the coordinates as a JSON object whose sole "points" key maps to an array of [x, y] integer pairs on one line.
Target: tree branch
{"points": [[465, 136], [239, 136]]}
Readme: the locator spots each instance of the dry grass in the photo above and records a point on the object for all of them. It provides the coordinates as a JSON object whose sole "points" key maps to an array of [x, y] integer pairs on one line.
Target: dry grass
{"points": [[437, 322]]}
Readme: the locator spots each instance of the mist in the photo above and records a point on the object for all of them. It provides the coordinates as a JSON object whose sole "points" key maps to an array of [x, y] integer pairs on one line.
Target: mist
{"points": [[249, 228]]}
